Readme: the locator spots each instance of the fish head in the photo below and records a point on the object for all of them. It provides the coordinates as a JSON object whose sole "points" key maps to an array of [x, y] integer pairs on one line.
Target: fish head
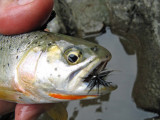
{"points": [[64, 68], [70, 67]]}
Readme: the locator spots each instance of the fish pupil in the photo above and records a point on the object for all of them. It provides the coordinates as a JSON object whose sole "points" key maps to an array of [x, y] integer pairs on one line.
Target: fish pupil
{"points": [[72, 58]]}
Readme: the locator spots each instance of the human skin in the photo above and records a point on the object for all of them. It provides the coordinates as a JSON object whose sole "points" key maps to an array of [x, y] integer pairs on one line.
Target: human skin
{"points": [[20, 16]]}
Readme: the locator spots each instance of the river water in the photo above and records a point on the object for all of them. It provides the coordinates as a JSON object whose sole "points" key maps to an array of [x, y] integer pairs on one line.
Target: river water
{"points": [[119, 105]]}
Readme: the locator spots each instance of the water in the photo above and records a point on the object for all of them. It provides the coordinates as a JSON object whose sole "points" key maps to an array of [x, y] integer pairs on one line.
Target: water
{"points": [[119, 105]]}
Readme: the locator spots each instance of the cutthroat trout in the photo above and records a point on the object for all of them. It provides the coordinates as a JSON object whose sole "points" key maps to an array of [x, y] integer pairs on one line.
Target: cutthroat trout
{"points": [[42, 67]]}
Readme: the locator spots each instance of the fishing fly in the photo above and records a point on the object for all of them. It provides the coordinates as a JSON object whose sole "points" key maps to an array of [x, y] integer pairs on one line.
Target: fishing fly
{"points": [[98, 79]]}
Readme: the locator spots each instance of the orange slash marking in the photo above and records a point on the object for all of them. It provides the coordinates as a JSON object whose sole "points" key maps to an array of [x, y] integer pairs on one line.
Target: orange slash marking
{"points": [[70, 97]]}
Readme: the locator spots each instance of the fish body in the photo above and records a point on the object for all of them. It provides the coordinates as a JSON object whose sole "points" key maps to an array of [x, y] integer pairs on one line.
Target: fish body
{"points": [[42, 67]]}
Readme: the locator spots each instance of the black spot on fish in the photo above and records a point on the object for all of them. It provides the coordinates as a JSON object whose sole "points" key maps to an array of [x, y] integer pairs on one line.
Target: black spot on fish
{"points": [[17, 49], [28, 42], [36, 37], [49, 44], [39, 45], [28, 36], [48, 60], [17, 57], [9, 46], [1, 48], [7, 41], [43, 50], [20, 97], [36, 42], [8, 64]]}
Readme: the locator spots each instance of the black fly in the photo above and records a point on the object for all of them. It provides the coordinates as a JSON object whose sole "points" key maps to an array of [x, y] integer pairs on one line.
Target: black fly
{"points": [[98, 79]]}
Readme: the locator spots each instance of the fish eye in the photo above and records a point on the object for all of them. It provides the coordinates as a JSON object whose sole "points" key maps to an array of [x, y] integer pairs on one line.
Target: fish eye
{"points": [[73, 56]]}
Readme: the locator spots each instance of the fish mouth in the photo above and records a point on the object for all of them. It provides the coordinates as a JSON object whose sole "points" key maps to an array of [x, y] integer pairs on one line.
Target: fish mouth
{"points": [[100, 67], [90, 79], [96, 79]]}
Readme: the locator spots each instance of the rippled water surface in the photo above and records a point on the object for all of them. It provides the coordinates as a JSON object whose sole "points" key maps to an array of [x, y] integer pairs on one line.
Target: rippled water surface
{"points": [[119, 105]]}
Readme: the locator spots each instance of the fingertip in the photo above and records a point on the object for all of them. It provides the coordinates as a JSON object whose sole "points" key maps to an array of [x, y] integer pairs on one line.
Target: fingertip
{"points": [[28, 112]]}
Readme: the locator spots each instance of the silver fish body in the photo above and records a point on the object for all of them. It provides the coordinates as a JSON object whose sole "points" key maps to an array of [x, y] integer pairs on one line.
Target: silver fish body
{"points": [[42, 67]]}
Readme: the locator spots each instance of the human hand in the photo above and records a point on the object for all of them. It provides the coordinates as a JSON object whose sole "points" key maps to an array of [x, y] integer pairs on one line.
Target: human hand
{"points": [[19, 16]]}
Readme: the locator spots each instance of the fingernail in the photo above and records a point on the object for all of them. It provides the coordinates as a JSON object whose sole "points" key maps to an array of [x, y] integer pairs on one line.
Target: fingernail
{"points": [[23, 2]]}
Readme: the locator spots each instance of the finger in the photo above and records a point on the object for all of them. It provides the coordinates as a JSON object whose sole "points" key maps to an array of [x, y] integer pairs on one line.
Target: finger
{"points": [[6, 107], [19, 16], [29, 112]]}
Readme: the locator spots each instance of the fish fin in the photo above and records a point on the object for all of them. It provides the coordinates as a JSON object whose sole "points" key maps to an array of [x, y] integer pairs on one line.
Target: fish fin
{"points": [[58, 112]]}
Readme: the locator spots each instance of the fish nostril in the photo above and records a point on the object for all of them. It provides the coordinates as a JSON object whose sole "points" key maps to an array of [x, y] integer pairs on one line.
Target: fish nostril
{"points": [[95, 48], [108, 56]]}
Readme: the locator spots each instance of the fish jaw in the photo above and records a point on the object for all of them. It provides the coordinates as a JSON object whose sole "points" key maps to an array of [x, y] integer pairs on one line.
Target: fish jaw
{"points": [[77, 89]]}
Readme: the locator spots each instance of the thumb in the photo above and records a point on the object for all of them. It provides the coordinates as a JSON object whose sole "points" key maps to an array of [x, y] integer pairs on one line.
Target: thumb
{"points": [[19, 16]]}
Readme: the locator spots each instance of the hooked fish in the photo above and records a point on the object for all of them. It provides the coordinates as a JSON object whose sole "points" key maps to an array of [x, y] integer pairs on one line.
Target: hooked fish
{"points": [[42, 67]]}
